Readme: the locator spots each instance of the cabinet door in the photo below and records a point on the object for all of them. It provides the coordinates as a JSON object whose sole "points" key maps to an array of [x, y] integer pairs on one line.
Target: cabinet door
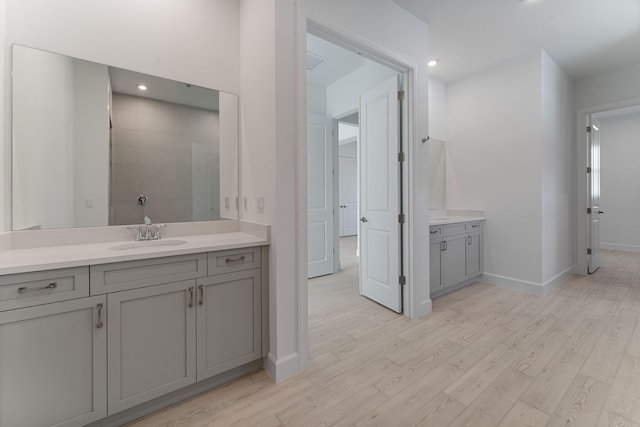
{"points": [[151, 341], [474, 255], [53, 364], [229, 321], [435, 274], [454, 261]]}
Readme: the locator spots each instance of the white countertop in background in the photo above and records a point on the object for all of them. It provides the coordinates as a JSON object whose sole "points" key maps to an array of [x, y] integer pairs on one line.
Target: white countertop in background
{"points": [[454, 219]]}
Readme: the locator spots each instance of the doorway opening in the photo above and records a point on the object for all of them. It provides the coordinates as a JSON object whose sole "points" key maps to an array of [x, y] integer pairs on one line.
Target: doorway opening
{"points": [[354, 170], [606, 140]]}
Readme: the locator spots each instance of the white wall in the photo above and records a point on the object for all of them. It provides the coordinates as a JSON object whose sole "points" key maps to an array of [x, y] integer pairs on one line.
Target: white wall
{"points": [[343, 96], [316, 99], [620, 200], [43, 131], [494, 163], [90, 144], [437, 103], [141, 36], [558, 164], [607, 87]]}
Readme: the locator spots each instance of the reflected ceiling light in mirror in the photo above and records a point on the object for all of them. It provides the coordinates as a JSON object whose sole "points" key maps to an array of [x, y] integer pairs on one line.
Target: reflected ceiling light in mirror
{"points": [[142, 87], [433, 62]]}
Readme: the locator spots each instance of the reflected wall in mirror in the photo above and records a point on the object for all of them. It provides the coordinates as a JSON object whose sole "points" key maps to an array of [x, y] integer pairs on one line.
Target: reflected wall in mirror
{"points": [[436, 174], [89, 142]]}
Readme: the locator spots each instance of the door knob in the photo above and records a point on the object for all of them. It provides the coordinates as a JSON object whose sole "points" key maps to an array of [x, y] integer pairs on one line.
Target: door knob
{"points": [[364, 219]]}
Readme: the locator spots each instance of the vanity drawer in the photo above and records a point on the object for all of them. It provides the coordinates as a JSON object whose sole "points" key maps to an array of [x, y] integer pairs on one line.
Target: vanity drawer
{"points": [[121, 276], [474, 226], [234, 260], [453, 229], [435, 231], [43, 287]]}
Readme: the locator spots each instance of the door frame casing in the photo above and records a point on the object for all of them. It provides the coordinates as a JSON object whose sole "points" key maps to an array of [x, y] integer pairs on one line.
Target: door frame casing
{"points": [[582, 218], [416, 301]]}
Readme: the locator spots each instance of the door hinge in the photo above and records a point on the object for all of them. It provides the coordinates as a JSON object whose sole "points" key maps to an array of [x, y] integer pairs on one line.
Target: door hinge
{"points": [[401, 218], [588, 169], [400, 95], [588, 129], [588, 251], [401, 157], [402, 280], [588, 210]]}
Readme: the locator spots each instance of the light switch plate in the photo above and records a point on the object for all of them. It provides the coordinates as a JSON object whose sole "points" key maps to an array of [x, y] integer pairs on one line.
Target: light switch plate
{"points": [[260, 204]]}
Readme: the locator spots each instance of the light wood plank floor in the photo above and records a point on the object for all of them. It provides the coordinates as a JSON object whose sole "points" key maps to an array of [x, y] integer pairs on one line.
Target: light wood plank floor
{"points": [[486, 356]]}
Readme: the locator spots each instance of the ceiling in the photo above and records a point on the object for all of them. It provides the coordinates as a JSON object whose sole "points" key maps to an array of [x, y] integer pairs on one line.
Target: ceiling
{"points": [[584, 37], [338, 61], [126, 81]]}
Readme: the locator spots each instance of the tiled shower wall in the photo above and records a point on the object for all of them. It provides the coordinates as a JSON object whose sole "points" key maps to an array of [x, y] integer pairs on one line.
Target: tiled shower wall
{"points": [[152, 151]]}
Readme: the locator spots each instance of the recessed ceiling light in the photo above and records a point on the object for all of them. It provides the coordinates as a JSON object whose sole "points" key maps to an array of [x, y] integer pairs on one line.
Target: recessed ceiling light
{"points": [[142, 87], [432, 62]]}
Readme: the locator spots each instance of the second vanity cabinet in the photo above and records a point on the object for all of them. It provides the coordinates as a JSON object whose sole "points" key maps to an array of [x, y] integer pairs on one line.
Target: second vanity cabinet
{"points": [[455, 253], [135, 331]]}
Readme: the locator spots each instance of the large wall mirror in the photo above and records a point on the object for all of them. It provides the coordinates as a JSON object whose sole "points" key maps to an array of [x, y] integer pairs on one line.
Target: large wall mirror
{"points": [[95, 145]]}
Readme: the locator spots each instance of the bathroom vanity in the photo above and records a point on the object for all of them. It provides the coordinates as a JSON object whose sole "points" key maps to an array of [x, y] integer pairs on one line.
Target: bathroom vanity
{"points": [[93, 330], [455, 251]]}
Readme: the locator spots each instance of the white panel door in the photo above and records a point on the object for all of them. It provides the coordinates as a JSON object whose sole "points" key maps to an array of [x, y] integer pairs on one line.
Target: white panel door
{"points": [[380, 195], [593, 138], [320, 236], [348, 176]]}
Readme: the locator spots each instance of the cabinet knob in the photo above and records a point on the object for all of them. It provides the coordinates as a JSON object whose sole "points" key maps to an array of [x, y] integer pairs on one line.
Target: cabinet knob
{"points": [[364, 219]]}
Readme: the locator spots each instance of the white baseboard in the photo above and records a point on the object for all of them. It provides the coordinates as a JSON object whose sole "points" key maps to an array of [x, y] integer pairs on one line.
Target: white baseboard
{"points": [[515, 284], [557, 280], [619, 247], [424, 308], [283, 368], [539, 289]]}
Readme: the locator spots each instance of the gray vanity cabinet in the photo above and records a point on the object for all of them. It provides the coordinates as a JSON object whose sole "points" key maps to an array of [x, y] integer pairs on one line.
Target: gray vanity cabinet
{"points": [[82, 343], [166, 336], [454, 259], [53, 364], [229, 321], [455, 255], [151, 342], [474, 252]]}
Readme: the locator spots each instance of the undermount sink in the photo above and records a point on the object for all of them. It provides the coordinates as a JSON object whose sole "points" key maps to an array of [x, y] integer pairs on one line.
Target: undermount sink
{"points": [[148, 243]]}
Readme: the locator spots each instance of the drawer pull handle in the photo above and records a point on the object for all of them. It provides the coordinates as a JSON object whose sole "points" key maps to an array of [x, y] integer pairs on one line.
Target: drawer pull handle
{"points": [[190, 291], [201, 287], [434, 231], [99, 324], [475, 226], [230, 260], [24, 289]]}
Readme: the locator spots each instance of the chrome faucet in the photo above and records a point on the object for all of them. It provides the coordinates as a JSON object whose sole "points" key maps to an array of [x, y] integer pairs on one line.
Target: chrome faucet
{"points": [[148, 231]]}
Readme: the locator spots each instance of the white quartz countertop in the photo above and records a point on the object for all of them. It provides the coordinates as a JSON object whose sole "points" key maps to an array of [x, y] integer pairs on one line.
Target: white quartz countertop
{"points": [[74, 255], [454, 219]]}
